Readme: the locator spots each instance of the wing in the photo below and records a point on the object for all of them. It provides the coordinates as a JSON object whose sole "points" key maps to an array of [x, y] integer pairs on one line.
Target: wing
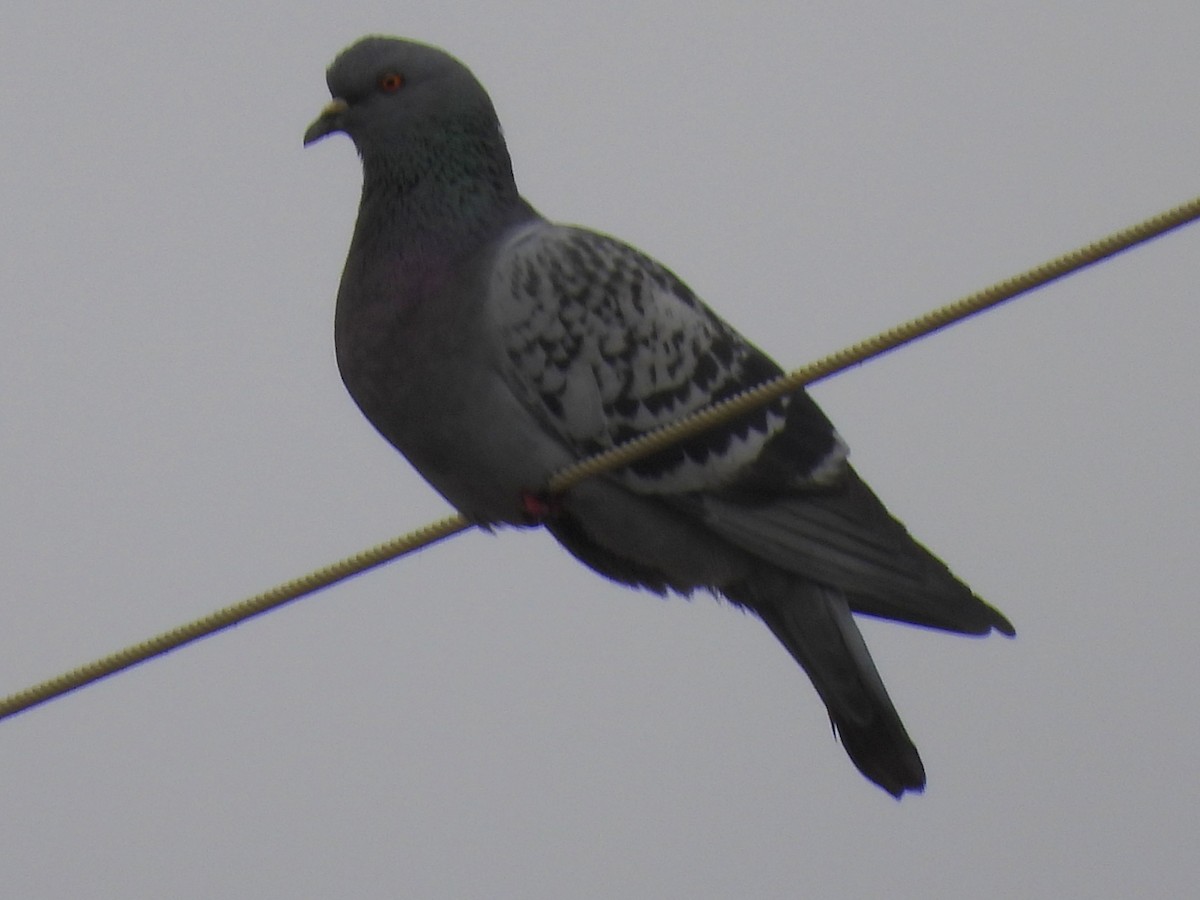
{"points": [[603, 344]]}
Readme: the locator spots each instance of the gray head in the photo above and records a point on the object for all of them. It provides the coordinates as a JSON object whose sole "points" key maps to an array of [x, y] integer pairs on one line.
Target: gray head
{"points": [[387, 90], [435, 166], [426, 132]]}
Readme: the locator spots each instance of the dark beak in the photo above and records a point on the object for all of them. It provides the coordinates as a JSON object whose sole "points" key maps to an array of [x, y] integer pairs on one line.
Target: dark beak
{"points": [[329, 121]]}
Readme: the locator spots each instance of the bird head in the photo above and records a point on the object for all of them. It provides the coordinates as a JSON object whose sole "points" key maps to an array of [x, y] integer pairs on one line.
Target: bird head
{"points": [[388, 92]]}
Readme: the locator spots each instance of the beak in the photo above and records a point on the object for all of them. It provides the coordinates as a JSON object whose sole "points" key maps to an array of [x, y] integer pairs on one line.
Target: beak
{"points": [[329, 121]]}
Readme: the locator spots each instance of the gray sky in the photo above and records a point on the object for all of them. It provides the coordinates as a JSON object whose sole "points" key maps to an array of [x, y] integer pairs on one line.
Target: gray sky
{"points": [[489, 719]]}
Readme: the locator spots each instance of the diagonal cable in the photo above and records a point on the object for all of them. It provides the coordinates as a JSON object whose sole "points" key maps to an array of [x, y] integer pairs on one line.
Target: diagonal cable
{"points": [[615, 458], [877, 345]]}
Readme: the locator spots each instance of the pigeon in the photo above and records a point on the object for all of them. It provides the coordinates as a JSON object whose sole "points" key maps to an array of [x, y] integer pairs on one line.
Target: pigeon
{"points": [[493, 347]]}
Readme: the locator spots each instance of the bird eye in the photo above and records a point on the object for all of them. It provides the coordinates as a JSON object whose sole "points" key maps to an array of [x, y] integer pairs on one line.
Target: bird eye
{"points": [[390, 82]]}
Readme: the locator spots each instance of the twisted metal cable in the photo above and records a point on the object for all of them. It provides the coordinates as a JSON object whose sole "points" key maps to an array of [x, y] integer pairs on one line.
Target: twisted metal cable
{"points": [[230, 615], [612, 459], [878, 344]]}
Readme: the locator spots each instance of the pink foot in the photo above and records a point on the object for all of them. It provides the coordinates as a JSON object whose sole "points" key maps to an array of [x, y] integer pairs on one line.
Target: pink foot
{"points": [[537, 507]]}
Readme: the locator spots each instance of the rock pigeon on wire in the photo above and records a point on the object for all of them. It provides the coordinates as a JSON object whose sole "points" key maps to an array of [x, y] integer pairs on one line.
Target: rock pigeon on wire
{"points": [[493, 347]]}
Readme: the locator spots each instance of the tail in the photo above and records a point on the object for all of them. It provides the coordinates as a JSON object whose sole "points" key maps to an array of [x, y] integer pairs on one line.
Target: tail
{"points": [[815, 624]]}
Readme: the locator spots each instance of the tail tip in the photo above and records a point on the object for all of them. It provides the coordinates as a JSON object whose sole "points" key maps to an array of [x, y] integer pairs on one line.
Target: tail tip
{"points": [[1001, 624]]}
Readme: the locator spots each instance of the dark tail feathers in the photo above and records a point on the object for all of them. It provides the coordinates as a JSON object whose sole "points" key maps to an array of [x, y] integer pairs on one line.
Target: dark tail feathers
{"points": [[815, 624]]}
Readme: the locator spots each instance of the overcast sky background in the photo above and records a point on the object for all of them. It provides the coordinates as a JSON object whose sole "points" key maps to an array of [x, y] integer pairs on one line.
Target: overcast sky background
{"points": [[489, 719]]}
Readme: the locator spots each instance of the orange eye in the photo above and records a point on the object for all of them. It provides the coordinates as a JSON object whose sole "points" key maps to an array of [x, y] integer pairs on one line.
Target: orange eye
{"points": [[390, 82]]}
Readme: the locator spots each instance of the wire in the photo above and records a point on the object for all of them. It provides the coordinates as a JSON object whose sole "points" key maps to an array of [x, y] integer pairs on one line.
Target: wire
{"points": [[231, 615], [877, 345], [612, 459]]}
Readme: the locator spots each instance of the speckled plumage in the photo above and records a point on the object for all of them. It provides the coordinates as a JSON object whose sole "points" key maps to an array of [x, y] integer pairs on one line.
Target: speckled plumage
{"points": [[493, 347], [607, 344]]}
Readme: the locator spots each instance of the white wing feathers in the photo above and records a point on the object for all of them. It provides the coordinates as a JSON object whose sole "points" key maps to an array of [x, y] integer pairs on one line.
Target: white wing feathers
{"points": [[603, 344]]}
